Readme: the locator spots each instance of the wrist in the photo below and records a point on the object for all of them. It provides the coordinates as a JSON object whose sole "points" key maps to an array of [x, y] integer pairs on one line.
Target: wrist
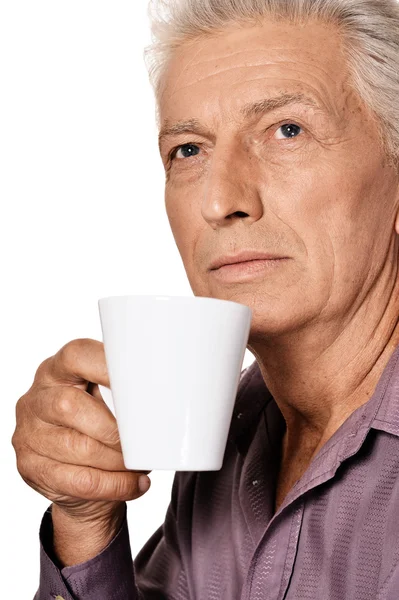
{"points": [[77, 540]]}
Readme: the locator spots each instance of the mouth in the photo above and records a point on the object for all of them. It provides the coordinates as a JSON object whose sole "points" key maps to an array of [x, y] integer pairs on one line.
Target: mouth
{"points": [[249, 269], [243, 256]]}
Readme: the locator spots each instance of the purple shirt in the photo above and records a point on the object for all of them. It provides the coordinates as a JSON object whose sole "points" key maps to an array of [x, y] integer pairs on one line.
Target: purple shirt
{"points": [[335, 537]]}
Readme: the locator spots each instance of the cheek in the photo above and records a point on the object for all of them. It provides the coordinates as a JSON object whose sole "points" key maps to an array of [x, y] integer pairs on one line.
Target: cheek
{"points": [[184, 226], [177, 219], [188, 230], [304, 209], [318, 203]]}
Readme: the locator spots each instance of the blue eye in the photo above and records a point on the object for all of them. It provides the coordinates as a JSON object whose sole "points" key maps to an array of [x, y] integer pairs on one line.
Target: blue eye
{"points": [[186, 150], [290, 129]]}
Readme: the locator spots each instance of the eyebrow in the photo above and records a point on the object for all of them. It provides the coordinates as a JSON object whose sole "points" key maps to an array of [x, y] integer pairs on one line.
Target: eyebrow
{"points": [[250, 110]]}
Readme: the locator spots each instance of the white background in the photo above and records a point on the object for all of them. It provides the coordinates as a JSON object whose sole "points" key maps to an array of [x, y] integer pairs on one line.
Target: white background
{"points": [[82, 216]]}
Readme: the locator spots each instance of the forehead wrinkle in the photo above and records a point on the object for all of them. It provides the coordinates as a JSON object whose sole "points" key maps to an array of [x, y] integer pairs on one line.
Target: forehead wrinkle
{"points": [[267, 60], [268, 104], [311, 99], [324, 101], [252, 57], [249, 111], [185, 67], [323, 104]]}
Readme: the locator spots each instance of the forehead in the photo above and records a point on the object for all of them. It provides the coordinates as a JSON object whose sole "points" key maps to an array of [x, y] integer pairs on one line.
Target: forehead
{"points": [[223, 71]]}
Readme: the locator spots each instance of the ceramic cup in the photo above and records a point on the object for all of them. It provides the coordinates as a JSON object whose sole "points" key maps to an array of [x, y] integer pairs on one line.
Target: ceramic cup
{"points": [[174, 365]]}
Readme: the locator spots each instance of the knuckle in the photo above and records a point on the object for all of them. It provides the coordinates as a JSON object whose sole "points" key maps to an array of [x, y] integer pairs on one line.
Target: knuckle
{"points": [[21, 464], [14, 440], [22, 407], [64, 404], [125, 487], [24, 417], [38, 473], [69, 354], [85, 482], [121, 488], [24, 465]]}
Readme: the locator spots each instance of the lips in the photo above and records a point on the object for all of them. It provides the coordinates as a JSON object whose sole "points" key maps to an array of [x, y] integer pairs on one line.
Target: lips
{"points": [[244, 256]]}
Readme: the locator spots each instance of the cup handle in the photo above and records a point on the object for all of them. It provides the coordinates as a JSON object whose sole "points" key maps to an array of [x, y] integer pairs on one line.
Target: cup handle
{"points": [[107, 397]]}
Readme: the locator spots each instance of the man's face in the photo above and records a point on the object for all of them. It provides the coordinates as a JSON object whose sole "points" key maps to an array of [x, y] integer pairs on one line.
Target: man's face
{"points": [[308, 183]]}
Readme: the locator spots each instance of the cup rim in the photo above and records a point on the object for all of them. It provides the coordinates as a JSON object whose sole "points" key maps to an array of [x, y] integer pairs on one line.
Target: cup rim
{"points": [[155, 297]]}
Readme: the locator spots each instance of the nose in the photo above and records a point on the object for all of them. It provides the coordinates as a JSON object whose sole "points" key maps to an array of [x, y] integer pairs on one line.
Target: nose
{"points": [[231, 190]]}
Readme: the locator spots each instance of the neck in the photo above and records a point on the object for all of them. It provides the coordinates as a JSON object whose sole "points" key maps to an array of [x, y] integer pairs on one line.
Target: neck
{"points": [[318, 376]]}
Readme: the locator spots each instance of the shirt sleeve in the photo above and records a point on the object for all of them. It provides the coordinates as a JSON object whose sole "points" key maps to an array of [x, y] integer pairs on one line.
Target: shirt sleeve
{"points": [[156, 573]]}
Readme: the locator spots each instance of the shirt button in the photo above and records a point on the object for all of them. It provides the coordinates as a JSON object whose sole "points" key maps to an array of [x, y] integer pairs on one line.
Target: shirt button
{"points": [[239, 415], [255, 482]]}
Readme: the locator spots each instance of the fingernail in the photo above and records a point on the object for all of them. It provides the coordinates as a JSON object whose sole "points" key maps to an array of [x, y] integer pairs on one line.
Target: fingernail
{"points": [[144, 483]]}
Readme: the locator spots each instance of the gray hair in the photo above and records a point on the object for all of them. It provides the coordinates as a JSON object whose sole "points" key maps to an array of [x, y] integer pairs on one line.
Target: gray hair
{"points": [[369, 29]]}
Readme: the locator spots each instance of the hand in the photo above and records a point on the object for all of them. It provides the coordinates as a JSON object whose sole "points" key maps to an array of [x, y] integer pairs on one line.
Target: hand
{"points": [[66, 439]]}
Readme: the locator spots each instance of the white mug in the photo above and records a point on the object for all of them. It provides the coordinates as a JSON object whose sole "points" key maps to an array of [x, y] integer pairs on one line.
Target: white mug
{"points": [[174, 365]]}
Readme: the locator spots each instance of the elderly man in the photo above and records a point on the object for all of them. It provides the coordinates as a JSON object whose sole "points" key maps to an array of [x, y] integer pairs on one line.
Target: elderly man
{"points": [[280, 140]]}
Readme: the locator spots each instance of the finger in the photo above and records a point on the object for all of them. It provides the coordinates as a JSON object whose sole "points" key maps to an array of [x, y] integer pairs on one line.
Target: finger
{"points": [[76, 363], [54, 478], [71, 407], [72, 447]]}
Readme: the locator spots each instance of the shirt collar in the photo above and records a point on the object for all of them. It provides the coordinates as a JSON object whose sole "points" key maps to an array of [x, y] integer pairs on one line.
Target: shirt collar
{"points": [[252, 398], [386, 415], [381, 411]]}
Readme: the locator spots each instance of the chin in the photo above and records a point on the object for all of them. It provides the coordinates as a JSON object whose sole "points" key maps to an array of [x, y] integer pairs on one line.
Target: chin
{"points": [[266, 330], [272, 315], [275, 319]]}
